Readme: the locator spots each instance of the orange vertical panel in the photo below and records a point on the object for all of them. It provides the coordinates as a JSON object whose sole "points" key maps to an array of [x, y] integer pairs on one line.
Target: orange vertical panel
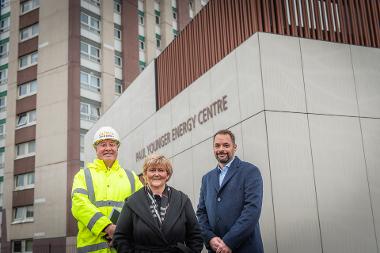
{"points": [[219, 38], [343, 21], [237, 26], [350, 30], [240, 21], [229, 32], [259, 9], [375, 8], [198, 50], [215, 44], [225, 23], [365, 25], [265, 8], [329, 13], [182, 62], [305, 19], [280, 17], [354, 22], [272, 17], [359, 20], [298, 17], [234, 28], [293, 27], [246, 10], [323, 21], [372, 30], [189, 60], [205, 54], [312, 18], [254, 16], [205, 25], [317, 20], [211, 38], [243, 11], [175, 67], [338, 33]]}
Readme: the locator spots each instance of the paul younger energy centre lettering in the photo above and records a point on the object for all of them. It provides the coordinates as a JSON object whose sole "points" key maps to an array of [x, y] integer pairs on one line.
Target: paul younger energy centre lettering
{"points": [[204, 115]]}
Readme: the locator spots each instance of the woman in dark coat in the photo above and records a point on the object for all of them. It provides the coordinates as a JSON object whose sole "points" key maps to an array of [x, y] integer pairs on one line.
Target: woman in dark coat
{"points": [[157, 218]]}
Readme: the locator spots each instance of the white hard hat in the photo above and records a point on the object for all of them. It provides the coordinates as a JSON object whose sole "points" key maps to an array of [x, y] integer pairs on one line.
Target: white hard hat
{"points": [[105, 133]]}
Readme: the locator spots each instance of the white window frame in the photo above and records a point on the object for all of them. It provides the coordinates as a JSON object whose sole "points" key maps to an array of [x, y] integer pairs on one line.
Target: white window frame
{"points": [[26, 180], [88, 25], [1, 193], [116, 33], [81, 136], [4, 76], [23, 246], [2, 160], [92, 114], [3, 105], [118, 87], [31, 89], [4, 3], [141, 45], [34, 5], [22, 211], [88, 55], [157, 20], [93, 2], [29, 149], [31, 60], [90, 85], [5, 49], [30, 32], [117, 7], [26, 119], [141, 19], [4, 24], [2, 131], [118, 61]]}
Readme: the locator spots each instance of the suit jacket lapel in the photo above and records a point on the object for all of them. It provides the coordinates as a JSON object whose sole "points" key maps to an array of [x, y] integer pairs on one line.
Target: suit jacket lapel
{"points": [[231, 172], [215, 179]]}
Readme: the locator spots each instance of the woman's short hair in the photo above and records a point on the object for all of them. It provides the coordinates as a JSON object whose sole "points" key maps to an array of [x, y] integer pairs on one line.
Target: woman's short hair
{"points": [[157, 160]]}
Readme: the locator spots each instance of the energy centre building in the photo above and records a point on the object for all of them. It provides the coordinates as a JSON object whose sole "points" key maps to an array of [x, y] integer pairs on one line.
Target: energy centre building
{"points": [[298, 82]]}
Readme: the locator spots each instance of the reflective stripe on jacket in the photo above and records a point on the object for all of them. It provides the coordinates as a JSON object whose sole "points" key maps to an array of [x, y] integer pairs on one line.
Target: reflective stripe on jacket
{"points": [[96, 191]]}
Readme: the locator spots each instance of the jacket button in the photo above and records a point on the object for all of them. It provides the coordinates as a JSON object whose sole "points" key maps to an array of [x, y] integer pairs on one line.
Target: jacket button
{"points": [[219, 199]]}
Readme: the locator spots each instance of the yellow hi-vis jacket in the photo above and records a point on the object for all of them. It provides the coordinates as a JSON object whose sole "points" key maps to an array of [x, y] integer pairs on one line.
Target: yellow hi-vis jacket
{"points": [[96, 191]]}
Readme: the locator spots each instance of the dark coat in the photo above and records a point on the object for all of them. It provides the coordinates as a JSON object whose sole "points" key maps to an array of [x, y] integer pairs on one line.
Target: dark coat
{"points": [[138, 231], [232, 210]]}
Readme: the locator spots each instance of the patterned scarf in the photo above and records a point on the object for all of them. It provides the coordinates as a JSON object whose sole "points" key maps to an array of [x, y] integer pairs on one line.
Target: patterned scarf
{"points": [[159, 205]]}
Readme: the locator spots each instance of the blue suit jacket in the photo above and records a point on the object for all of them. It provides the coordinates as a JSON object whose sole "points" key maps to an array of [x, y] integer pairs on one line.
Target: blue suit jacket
{"points": [[232, 210]]}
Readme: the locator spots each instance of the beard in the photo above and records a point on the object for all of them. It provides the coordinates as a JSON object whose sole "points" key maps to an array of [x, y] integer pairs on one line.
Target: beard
{"points": [[223, 160]]}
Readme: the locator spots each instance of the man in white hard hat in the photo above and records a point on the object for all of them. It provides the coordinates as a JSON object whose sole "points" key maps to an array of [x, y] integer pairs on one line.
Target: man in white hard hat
{"points": [[99, 191]]}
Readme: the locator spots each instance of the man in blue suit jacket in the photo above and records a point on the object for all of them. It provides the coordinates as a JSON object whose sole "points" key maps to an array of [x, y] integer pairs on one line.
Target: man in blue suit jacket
{"points": [[230, 201]]}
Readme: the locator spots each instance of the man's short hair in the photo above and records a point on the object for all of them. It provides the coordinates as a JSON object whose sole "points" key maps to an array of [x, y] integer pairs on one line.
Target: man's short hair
{"points": [[224, 132]]}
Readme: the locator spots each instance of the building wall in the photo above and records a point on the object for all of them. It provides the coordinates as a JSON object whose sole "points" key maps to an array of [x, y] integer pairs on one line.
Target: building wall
{"points": [[305, 112], [52, 127]]}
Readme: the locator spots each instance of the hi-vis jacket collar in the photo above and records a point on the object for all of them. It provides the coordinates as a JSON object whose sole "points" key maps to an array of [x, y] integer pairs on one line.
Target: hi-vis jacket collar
{"points": [[100, 165]]}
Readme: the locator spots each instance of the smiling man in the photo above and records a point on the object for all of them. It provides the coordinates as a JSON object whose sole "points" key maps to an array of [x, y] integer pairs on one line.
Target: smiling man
{"points": [[230, 201], [99, 190]]}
